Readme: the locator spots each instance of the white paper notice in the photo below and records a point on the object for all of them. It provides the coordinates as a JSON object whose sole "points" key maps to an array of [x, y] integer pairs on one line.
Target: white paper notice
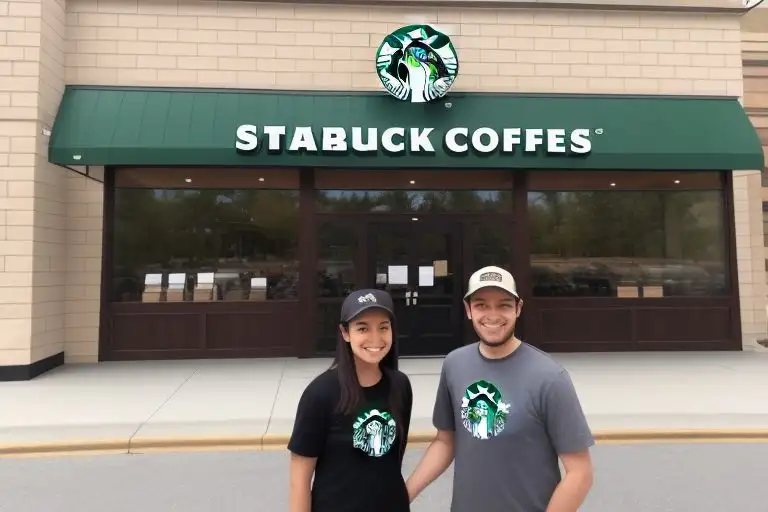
{"points": [[427, 276], [258, 283], [153, 279], [398, 274], [204, 278], [176, 281]]}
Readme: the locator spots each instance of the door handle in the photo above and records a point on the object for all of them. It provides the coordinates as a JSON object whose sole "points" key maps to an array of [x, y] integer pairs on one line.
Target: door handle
{"points": [[415, 296], [407, 298]]}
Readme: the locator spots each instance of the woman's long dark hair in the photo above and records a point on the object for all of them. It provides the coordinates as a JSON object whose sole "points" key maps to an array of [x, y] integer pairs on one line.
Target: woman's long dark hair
{"points": [[352, 392]]}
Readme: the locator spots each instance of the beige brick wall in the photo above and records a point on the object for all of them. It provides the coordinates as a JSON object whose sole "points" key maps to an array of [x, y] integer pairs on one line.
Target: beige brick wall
{"points": [[246, 44], [85, 216], [39, 222], [755, 58], [32, 245], [50, 220]]}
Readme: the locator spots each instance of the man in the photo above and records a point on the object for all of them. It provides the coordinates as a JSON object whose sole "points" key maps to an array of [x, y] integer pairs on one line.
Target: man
{"points": [[505, 413]]}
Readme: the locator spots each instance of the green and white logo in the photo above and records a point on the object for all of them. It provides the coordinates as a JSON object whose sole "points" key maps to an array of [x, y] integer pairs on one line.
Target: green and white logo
{"points": [[417, 63], [483, 412], [374, 432]]}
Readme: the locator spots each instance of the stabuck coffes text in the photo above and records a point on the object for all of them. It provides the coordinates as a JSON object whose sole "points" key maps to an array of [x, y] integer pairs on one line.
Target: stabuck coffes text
{"points": [[397, 139]]}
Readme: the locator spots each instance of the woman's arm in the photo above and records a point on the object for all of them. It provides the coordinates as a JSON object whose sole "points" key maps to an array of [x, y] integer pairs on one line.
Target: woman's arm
{"points": [[309, 437], [300, 493], [407, 412]]}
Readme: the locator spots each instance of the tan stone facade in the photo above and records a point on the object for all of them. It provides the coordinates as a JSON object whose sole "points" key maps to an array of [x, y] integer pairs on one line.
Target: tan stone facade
{"points": [[51, 218], [755, 62]]}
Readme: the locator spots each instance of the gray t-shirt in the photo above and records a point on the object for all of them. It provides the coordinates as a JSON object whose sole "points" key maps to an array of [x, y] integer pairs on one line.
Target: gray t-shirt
{"points": [[511, 418]]}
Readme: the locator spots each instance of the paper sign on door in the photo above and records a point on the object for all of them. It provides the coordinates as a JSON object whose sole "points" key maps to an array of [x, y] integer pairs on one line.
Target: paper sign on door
{"points": [[427, 276], [398, 274]]}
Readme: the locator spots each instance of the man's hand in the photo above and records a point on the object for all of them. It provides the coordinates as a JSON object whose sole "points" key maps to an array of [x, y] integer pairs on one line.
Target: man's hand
{"points": [[436, 460], [573, 489]]}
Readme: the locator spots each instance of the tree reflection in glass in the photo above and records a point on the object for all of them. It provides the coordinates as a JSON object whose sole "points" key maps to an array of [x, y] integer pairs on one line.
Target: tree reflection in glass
{"points": [[591, 243], [244, 234], [415, 201]]}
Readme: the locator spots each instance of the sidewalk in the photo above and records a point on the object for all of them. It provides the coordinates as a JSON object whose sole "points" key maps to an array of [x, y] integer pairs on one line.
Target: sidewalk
{"points": [[251, 403]]}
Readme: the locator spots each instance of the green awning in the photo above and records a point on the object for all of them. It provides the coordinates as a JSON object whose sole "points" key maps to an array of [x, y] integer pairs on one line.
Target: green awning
{"points": [[199, 127]]}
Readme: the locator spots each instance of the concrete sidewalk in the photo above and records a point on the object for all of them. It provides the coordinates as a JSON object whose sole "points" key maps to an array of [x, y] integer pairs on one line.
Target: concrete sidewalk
{"points": [[251, 403]]}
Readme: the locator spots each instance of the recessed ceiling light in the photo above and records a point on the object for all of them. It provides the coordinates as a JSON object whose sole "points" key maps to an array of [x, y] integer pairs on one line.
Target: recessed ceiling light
{"points": [[414, 218], [613, 184], [677, 181], [188, 180], [261, 179], [413, 182]]}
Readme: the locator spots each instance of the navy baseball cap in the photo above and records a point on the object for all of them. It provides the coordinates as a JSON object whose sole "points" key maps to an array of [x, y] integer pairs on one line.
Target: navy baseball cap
{"points": [[362, 300]]}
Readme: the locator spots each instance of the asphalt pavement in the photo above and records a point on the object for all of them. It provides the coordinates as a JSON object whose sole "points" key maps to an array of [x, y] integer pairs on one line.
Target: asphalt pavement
{"points": [[629, 478]]}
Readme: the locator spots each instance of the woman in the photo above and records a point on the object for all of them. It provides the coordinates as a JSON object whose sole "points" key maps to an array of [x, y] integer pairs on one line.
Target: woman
{"points": [[352, 421]]}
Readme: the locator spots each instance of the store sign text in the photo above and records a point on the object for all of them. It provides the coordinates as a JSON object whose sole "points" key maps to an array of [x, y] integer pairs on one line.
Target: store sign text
{"points": [[398, 140]]}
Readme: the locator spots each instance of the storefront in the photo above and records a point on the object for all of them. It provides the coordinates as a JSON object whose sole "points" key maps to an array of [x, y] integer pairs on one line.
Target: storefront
{"points": [[260, 160], [237, 221]]}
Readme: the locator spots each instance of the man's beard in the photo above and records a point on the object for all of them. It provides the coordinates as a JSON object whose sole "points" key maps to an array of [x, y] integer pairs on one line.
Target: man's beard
{"points": [[508, 336]]}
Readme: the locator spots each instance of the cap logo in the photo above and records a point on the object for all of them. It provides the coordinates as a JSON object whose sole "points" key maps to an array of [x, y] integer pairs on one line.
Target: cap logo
{"points": [[366, 298], [490, 276]]}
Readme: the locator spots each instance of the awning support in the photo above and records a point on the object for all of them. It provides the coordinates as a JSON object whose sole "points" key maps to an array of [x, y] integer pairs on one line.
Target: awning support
{"points": [[86, 173]]}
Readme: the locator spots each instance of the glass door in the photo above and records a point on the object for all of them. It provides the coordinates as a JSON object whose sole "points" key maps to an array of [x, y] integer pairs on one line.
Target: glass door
{"points": [[418, 263]]}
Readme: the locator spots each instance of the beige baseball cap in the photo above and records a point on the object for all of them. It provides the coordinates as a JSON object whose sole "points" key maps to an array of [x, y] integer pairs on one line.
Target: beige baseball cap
{"points": [[492, 276]]}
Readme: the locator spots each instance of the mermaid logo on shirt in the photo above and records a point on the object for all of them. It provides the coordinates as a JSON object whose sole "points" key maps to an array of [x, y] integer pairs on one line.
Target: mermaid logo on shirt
{"points": [[483, 412], [374, 432]]}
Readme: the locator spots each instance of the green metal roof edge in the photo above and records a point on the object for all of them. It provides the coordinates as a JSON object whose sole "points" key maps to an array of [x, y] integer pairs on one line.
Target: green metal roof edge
{"points": [[367, 93]]}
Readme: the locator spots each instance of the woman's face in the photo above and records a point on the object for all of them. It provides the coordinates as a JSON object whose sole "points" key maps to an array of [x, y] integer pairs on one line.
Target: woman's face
{"points": [[369, 336]]}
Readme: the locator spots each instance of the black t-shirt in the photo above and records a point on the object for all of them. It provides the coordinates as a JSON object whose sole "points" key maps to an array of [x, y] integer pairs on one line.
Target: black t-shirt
{"points": [[359, 457]]}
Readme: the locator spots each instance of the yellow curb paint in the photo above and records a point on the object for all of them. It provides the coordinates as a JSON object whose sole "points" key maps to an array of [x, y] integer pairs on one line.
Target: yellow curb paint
{"points": [[279, 442], [70, 447], [687, 435], [248, 442]]}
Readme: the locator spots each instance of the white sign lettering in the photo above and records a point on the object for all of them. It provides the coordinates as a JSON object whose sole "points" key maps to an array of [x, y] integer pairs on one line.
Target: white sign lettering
{"points": [[398, 140]]}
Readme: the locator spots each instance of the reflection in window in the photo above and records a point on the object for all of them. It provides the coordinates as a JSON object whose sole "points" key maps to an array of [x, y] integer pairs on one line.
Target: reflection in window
{"points": [[491, 243], [628, 243], [337, 250], [431, 201], [197, 245]]}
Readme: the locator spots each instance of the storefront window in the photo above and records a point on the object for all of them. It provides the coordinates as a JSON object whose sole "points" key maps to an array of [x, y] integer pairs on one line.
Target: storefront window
{"points": [[205, 244], [414, 201], [628, 243], [413, 191], [337, 247]]}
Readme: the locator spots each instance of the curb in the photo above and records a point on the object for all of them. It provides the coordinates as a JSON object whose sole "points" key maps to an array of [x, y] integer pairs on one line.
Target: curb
{"points": [[280, 441]]}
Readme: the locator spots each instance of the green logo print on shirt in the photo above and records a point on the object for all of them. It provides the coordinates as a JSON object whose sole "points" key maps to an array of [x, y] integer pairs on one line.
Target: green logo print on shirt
{"points": [[483, 412], [374, 432]]}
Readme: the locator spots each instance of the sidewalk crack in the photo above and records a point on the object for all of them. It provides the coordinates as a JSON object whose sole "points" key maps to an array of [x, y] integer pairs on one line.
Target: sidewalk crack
{"points": [[165, 402], [274, 400]]}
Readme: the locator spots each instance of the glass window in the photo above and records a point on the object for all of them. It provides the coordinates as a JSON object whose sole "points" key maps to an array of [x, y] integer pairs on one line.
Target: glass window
{"points": [[202, 244], [337, 249], [411, 201], [413, 191], [628, 243]]}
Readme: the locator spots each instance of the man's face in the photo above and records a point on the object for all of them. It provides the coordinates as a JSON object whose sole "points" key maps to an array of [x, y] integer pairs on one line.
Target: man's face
{"points": [[494, 314]]}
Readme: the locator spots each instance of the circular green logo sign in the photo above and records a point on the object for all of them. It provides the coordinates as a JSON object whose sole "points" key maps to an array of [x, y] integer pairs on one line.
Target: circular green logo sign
{"points": [[417, 63]]}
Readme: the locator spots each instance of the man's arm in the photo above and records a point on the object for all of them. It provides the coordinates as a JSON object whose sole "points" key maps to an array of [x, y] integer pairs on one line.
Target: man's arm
{"points": [[436, 460], [571, 438], [574, 487], [300, 491]]}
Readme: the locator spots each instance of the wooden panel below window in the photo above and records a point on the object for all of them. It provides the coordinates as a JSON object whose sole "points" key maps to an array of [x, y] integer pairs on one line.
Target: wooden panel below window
{"points": [[662, 325], [202, 330], [594, 325]]}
